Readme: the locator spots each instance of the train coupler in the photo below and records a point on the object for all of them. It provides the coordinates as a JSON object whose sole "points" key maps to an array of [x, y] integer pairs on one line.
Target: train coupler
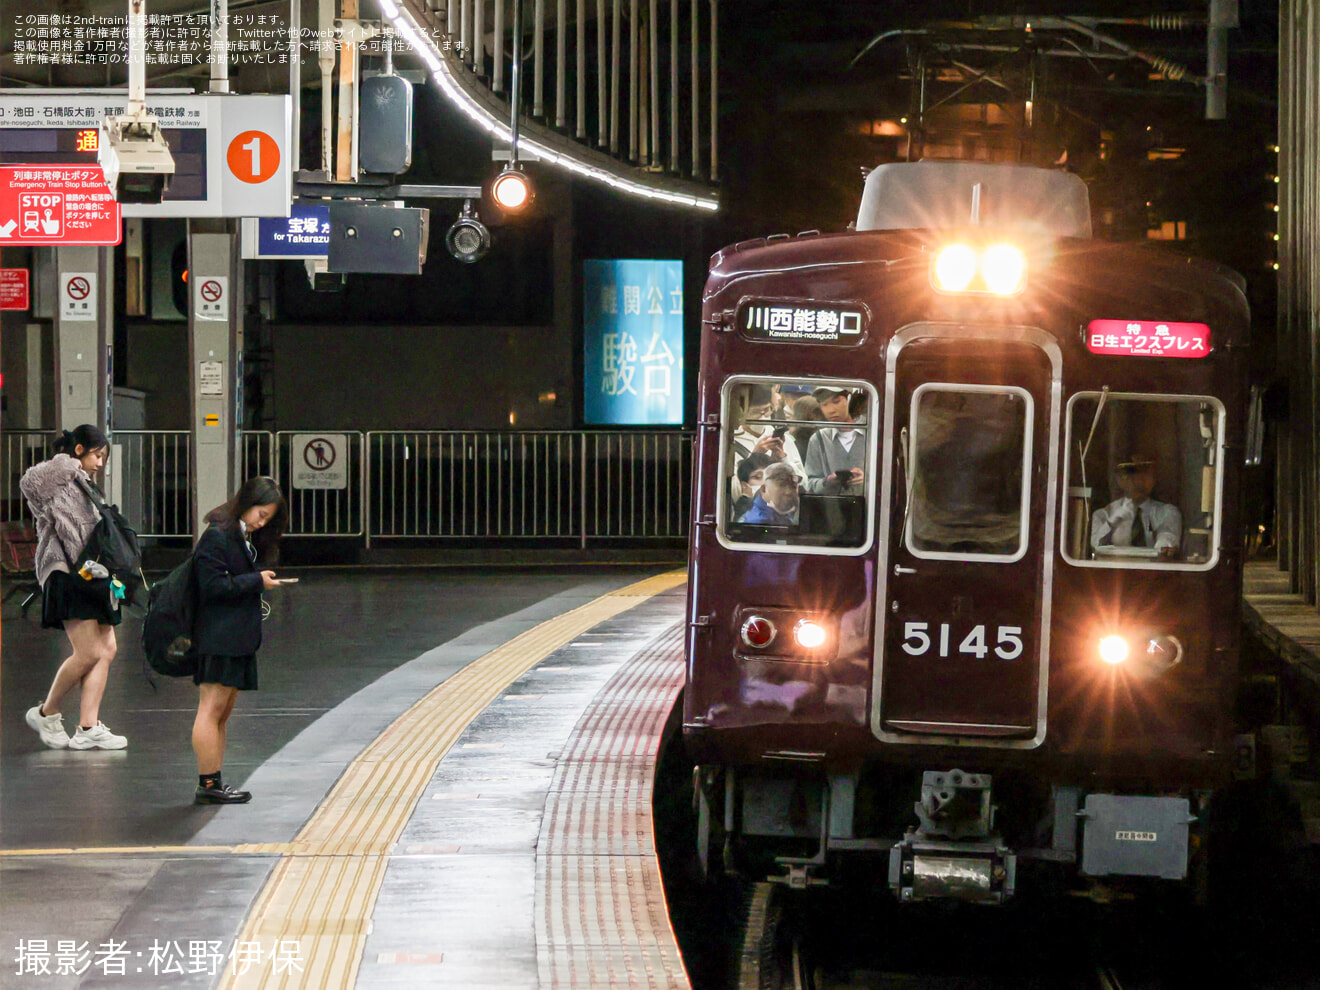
{"points": [[923, 869]]}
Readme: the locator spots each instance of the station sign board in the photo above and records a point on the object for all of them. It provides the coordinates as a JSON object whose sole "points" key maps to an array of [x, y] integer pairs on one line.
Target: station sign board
{"points": [[632, 342], [1148, 338], [57, 204], [230, 151]]}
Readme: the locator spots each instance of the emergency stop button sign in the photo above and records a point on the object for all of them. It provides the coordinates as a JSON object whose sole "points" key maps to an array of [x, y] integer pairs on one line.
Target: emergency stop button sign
{"points": [[57, 204]]}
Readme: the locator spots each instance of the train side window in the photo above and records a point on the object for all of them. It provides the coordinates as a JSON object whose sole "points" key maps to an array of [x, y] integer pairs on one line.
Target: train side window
{"points": [[1143, 480], [798, 459], [971, 448]]}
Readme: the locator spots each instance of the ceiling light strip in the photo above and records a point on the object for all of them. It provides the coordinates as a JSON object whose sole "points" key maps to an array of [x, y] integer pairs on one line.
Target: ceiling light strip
{"points": [[444, 77]]}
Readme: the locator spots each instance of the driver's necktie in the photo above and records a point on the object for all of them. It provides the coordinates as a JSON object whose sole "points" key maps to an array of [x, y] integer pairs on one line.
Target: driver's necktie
{"points": [[1138, 530]]}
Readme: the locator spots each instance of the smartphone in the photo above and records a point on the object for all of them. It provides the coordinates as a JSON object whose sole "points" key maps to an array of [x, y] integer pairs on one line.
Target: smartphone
{"points": [[844, 475], [779, 431], [286, 580]]}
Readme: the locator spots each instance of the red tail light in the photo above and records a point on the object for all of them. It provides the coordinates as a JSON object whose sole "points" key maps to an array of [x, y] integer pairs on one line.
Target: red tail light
{"points": [[758, 632]]}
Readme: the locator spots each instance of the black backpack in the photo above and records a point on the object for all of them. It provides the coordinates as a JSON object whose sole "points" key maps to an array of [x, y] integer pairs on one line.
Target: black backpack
{"points": [[167, 630], [113, 544]]}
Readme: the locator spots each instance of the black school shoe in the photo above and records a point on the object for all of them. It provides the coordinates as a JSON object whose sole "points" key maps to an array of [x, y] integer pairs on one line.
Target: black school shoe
{"points": [[221, 795]]}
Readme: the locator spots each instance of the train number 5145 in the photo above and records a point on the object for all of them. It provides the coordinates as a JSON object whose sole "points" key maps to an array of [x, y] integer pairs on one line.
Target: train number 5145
{"points": [[1008, 641]]}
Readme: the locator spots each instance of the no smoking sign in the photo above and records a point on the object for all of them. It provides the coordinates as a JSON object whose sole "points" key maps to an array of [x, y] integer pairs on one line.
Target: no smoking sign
{"points": [[78, 296], [211, 298]]}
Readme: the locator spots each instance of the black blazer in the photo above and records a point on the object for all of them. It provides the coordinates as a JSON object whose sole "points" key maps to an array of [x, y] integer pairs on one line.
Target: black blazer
{"points": [[229, 590]]}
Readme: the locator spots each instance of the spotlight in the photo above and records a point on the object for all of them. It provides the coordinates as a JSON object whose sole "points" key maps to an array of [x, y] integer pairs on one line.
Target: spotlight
{"points": [[468, 239], [512, 190]]}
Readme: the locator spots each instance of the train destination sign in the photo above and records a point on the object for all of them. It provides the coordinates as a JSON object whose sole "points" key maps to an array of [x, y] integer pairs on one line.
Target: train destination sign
{"points": [[802, 322], [1148, 338]]}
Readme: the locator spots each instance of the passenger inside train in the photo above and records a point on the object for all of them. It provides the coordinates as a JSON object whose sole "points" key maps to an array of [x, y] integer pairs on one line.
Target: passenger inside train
{"points": [[823, 506]]}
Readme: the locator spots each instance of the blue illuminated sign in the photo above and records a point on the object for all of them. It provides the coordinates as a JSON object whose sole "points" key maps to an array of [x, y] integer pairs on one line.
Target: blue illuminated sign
{"points": [[304, 233], [633, 343]]}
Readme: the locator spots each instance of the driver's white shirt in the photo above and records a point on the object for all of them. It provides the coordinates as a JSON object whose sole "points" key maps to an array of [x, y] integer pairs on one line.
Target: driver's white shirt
{"points": [[1161, 522]]}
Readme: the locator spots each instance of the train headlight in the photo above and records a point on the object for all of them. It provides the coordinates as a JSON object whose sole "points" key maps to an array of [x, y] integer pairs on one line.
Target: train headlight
{"points": [[809, 634], [1113, 649], [955, 267], [1004, 269], [758, 632]]}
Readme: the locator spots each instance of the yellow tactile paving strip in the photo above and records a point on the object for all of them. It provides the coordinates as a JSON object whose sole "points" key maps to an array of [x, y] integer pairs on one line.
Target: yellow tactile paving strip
{"points": [[322, 892]]}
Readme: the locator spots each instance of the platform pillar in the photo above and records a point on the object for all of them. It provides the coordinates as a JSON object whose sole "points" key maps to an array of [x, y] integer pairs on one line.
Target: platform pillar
{"points": [[215, 348], [84, 343]]}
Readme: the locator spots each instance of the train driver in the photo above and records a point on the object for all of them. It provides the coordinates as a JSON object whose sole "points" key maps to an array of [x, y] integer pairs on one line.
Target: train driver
{"points": [[776, 504], [836, 454], [1136, 519]]}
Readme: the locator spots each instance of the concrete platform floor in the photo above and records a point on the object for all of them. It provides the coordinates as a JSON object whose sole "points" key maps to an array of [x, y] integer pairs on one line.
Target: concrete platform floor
{"points": [[174, 901]]}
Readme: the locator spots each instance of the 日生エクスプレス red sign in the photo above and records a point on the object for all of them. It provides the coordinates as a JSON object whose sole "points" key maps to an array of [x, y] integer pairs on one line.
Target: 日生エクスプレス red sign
{"points": [[1148, 338], [57, 204], [14, 288]]}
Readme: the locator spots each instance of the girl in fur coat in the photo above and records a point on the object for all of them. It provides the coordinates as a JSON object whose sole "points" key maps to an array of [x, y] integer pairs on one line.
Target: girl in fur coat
{"points": [[80, 605]]}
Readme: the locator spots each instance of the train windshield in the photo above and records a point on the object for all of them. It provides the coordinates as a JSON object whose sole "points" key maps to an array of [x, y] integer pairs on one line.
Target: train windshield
{"points": [[799, 455], [970, 450], [1143, 480]]}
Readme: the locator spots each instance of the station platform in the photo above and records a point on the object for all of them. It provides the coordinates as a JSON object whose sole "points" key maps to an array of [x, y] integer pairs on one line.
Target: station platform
{"points": [[451, 777], [1283, 620]]}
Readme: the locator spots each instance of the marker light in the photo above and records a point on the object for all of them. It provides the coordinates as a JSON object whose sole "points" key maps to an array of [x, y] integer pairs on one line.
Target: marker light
{"points": [[1003, 267], [809, 634], [955, 267], [512, 190], [1113, 649], [468, 240], [758, 632]]}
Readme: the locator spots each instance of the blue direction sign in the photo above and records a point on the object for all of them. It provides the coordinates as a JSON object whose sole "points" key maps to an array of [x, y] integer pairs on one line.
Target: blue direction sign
{"points": [[304, 233]]}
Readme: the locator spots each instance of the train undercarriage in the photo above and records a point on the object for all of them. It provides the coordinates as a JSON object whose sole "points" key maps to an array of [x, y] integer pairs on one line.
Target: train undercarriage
{"points": [[941, 834]]}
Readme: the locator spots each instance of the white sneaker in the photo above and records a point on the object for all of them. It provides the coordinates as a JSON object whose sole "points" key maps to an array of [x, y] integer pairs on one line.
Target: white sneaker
{"points": [[49, 727], [97, 737]]}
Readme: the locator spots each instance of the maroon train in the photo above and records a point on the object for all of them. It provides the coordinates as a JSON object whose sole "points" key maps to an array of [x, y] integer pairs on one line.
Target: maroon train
{"points": [[984, 612]]}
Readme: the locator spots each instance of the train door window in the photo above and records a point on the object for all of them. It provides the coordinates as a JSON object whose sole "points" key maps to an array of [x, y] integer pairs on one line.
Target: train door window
{"points": [[798, 464], [1144, 473], [971, 451]]}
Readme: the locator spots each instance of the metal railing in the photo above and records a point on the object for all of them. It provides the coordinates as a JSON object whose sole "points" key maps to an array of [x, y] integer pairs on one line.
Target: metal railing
{"points": [[258, 453], [531, 485], [439, 485], [155, 468], [19, 450]]}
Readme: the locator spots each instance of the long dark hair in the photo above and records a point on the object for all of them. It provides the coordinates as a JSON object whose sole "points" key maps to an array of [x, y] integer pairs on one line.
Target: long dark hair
{"points": [[256, 491], [88, 435]]}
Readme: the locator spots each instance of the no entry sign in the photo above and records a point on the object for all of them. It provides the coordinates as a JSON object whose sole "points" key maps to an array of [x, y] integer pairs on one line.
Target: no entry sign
{"points": [[320, 460], [56, 204]]}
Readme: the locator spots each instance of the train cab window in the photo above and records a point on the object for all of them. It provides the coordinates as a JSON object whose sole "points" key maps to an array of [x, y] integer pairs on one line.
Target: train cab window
{"points": [[1143, 480], [798, 464], [970, 452]]}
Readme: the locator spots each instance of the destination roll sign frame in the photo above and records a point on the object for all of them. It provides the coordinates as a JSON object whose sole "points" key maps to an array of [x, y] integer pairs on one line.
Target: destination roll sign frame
{"points": [[803, 321]]}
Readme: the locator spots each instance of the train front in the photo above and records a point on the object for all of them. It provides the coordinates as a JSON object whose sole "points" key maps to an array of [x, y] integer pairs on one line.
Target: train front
{"points": [[965, 566]]}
